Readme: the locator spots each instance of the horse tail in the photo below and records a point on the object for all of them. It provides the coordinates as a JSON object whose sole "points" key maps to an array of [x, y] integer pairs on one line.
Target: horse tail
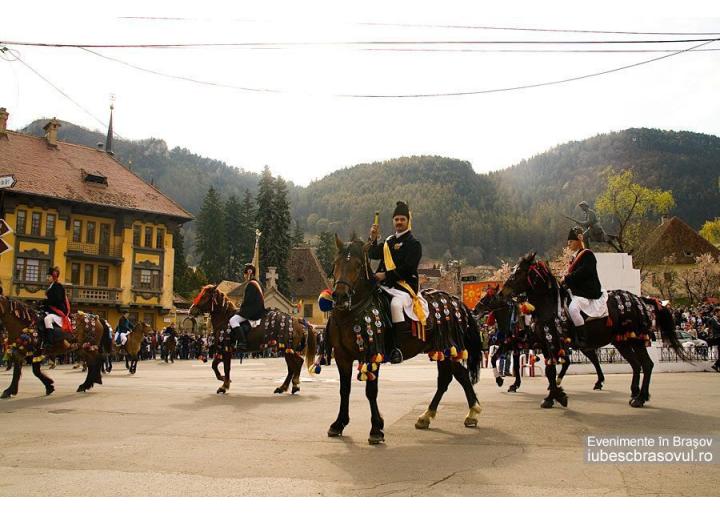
{"points": [[473, 344], [310, 349], [106, 343], [665, 322]]}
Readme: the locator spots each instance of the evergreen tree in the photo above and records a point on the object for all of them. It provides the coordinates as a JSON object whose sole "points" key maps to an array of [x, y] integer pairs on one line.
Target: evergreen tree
{"points": [[326, 251], [298, 238], [180, 267], [264, 220], [246, 227], [211, 239], [282, 240], [234, 232]]}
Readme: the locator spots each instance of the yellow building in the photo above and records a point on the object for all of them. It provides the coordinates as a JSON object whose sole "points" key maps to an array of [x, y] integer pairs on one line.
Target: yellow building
{"points": [[78, 208]]}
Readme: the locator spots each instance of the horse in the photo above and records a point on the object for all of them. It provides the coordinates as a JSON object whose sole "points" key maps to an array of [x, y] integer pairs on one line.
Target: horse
{"points": [[131, 348], [21, 322], [517, 337], [276, 329], [169, 345], [627, 327], [356, 329]]}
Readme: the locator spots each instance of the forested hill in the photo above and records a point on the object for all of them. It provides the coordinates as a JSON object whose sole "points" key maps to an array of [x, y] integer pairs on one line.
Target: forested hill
{"points": [[456, 211]]}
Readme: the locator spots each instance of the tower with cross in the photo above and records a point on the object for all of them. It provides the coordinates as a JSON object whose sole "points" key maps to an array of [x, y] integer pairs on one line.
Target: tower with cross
{"points": [[271, 277]]}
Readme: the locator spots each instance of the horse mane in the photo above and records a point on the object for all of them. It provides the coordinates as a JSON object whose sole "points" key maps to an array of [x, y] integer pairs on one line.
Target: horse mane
{"points": [[20, 310]]}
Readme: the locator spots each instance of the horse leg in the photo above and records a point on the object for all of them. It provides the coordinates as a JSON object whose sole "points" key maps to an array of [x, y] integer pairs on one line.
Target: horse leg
{"points": [[493, 365], [284, 387], [215, 364], [127, 361], [296, 374], [444, 378], [629, 355], [377, 435], [647, 365], [226, 360], [556, 392], [516, 371], [47, 381], [593, 357], [563, 370], [12, 389], [462, 375], [343, 418]]}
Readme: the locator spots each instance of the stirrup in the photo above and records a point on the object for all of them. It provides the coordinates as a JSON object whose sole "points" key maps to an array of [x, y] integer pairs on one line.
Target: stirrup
{"points": [[396, 356]]}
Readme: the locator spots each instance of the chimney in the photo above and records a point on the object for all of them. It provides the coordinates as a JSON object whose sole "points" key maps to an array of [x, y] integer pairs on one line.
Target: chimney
{"points": [[51, 129], [3, 121], [663, 219]]}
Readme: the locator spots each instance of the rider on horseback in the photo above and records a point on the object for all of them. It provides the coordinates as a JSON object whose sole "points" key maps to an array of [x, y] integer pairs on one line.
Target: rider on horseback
{"points": [[401, 280], [169, 331], [583, 281], [124, 327], [56, 307], [252, 309]]}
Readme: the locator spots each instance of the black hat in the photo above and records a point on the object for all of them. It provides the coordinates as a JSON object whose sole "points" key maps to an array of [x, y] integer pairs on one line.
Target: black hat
{"points": [[573, 234], [249, 266], [401, 209]]}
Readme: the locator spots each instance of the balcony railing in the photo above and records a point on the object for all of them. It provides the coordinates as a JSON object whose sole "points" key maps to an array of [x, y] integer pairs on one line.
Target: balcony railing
{"points": [[84, 294], [99, 250]]}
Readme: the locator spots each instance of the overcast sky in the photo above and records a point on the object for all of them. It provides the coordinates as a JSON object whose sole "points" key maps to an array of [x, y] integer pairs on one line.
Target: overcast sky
{"points": [[303, 127]]}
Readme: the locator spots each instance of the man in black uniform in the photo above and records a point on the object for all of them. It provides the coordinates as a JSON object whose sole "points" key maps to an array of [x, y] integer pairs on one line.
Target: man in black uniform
{"points": [[57, 309], [583, 281], [398, 271], [252, 308]]}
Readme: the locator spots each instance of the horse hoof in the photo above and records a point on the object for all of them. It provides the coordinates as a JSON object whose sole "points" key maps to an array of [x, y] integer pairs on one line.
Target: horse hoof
{"points": [[221, 390], [50, 389], [6, 394], [376, 438], [637, 403], [422, 423], [547, 403], [598, 386], [512, 389], [335, 430], [278, 390], [471, 422], [295, 389], [81, 389], [559, 381], [499, 381]]}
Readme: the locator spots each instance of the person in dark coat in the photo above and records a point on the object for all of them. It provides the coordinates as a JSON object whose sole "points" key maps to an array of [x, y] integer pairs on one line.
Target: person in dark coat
{"points": [[124, 327], [402, 281], [252, 309], [56, 307], [584, 284]]}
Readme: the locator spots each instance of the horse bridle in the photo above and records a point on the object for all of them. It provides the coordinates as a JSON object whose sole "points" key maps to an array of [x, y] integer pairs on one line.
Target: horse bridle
{"points": [[351, 287]]}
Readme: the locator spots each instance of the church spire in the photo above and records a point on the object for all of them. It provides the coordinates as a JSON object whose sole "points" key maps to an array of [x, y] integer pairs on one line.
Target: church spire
{"points": [[109, 139]]}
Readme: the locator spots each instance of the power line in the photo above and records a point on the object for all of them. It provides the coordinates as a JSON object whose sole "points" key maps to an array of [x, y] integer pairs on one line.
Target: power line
{"points": [[417, 95], [530, 86], [355, 43], [56, 88], [440, 26]]}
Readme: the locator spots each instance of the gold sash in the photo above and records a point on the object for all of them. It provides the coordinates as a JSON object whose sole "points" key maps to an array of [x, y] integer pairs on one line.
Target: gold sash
{"points": [[417, 305]]}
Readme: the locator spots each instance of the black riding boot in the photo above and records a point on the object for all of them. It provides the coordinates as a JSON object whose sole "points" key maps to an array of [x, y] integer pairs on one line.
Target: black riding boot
{"points": [[46, 339], [581, 336], [400, 330], [237, 335]]}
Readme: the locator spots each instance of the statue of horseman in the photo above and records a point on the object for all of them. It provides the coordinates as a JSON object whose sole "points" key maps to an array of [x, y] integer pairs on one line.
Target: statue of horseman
{"points": [[250, 312], [397, 273]]}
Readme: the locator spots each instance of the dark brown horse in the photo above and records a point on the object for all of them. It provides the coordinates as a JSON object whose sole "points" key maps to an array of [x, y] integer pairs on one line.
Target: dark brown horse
{"points": [[168, 347], [357, 322], [276, 331], [20, 320], [130, 350], [627, 328]]}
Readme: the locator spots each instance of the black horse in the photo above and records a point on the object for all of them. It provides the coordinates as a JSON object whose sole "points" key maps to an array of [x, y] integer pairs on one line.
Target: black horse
{"points": [[628, 326], [514, 336]]}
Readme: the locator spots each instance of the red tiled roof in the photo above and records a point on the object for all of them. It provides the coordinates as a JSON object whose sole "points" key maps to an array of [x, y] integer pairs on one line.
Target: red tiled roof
{"points": [[307, 277], [58, 173]]}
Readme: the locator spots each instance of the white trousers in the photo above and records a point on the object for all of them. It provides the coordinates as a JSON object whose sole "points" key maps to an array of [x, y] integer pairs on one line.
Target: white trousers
{"points": [[236, 320], [575, 312], [396, 309], [123, 338], [52, 318]]}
